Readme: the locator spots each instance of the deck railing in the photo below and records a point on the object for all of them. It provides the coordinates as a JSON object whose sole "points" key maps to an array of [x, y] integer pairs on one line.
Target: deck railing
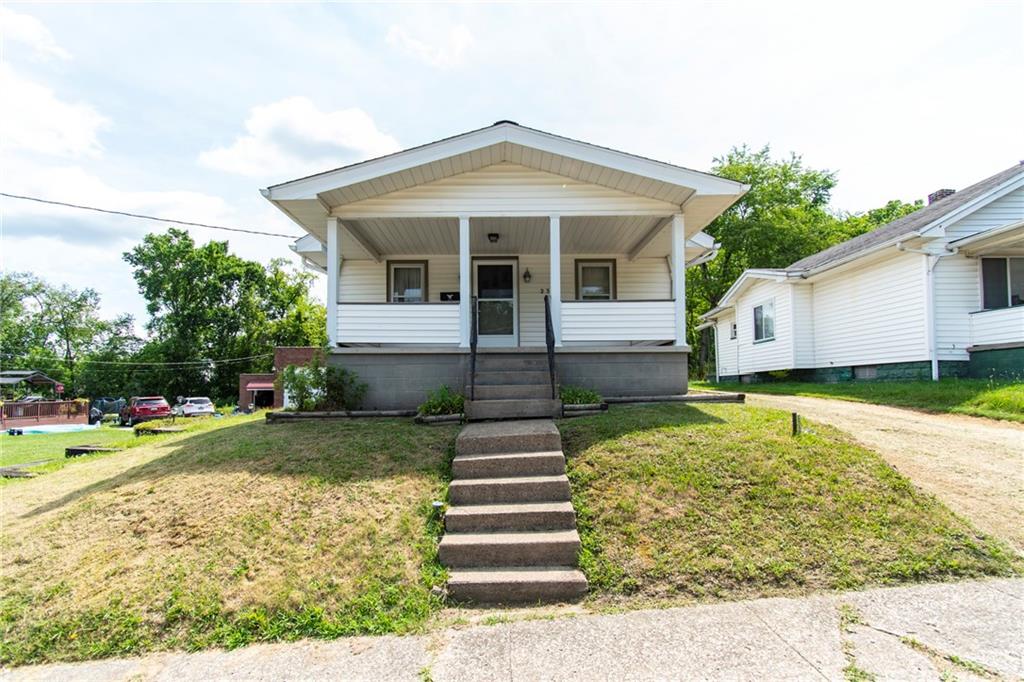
{"points": [[473, 338], [50, 411]]}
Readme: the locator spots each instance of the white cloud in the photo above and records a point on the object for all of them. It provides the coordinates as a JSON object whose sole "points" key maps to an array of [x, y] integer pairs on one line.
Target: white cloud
{"points": [[448, 50], [293, 137], [43, 123], [27, 30]]}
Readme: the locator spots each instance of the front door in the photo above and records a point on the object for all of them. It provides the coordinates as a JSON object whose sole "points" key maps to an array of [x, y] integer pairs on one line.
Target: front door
{"points": [[497, 318]]}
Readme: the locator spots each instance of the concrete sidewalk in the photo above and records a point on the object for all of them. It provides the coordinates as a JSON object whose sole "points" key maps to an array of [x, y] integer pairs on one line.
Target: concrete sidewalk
{"points": [[968, 630]]}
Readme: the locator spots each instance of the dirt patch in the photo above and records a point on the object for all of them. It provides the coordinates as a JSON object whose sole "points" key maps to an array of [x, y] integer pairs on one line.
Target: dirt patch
{"points": [[974, 465]]}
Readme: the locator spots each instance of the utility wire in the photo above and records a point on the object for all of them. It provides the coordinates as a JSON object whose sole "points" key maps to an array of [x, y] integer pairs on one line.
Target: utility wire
{"points": [[145, 217], [182, 364]]}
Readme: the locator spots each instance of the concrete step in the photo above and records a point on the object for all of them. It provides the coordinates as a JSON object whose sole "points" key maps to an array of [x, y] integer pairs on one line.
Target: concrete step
{"points": [[481, 518], [533, 435], [513, 362], [508, 391], [501, 378], [523, 408], [515, 489], [516, 585], [537, 548], [508, 464]]}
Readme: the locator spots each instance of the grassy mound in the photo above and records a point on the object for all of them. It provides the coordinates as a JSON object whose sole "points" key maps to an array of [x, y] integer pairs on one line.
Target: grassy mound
{"points": [[719, 501], [238, 533]]}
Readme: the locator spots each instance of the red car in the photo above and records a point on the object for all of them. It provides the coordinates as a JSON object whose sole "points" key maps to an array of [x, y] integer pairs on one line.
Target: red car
{"points": [[143, 409]]}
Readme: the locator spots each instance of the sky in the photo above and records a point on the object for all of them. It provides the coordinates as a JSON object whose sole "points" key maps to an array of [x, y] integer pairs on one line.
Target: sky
{"points": [[187, 110]]}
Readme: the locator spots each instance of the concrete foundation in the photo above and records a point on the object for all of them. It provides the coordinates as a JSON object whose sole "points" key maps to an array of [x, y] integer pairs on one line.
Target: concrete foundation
{"points": [[401, 378]]}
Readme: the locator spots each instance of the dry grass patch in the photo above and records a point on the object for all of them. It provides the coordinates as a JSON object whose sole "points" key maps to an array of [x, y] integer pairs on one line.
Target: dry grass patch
{"points": [[246, 532], [719, 501]]}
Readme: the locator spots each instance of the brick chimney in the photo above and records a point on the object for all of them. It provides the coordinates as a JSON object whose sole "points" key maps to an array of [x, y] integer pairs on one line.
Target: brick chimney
{"points": [[939, 194]]}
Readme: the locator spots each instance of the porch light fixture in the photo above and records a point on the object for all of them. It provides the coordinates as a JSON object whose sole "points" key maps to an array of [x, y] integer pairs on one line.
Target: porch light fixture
{"points": [[492, 237], [527, 276]]}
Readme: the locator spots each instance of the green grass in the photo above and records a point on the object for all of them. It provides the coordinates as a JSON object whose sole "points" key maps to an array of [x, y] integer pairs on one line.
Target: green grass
{"points": [[43, 447], [719, 501], [238, 532], [975, 397]]}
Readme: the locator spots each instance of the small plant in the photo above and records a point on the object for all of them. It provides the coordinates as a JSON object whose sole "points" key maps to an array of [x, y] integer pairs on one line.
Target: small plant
{"points": [[575, 395], [314, 386], [442, 401]]}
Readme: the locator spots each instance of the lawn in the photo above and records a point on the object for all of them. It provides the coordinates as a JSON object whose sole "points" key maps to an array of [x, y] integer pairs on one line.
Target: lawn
{"points": [[975, 397], [720, 501], [46, 447], [238, 532]]}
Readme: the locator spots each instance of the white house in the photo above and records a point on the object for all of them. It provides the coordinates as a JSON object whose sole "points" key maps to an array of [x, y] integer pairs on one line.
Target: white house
{"points": [[939, 292], [440, 251]]}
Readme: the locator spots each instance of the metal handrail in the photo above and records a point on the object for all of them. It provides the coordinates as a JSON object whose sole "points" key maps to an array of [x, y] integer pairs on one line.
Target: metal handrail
{"points": [[549, 339], [472, 348]]}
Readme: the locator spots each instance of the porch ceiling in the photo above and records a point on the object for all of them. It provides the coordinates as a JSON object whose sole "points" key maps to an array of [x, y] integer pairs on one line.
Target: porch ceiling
{"points": [[1007, 240], [402, 237]]}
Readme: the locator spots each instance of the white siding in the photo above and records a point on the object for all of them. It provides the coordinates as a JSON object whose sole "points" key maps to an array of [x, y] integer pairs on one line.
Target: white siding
{"points": [[362, 281], [764, 356], [872, 313], [997, 326], [957, 294], [618, 321], [427, 323], [504, 189], [1002, 211], [803, 325], [728, 349]]}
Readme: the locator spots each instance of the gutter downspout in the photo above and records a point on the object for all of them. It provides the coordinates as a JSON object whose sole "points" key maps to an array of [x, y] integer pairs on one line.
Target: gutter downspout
{"points": [[718, 374], [932, 260]]}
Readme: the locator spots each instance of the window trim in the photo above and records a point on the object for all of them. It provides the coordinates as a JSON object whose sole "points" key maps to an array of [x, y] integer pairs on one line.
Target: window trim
{"points": [[613, 276], [389, 279], [1009, 281], [764, 339]]}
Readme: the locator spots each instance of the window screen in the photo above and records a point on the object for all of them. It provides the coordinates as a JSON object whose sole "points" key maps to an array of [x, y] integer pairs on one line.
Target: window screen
{"points": [[994, 288], [1016, 281], [764, 322], [407, 283], [595, 281]]}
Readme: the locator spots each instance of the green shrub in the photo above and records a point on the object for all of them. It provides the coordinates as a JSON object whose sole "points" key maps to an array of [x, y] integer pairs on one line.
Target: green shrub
{"points": [[442, 401], [576, 395], [314, 386]]}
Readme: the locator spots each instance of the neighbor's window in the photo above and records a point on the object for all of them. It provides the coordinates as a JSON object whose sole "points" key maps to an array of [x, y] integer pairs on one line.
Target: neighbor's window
{"points": [[595, 280], [407, 282], [732, 330], [764, 321], [1002, 282]]}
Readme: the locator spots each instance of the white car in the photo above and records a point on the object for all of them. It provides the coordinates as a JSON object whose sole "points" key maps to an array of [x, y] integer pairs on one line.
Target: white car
{"points": [[195, 407]]}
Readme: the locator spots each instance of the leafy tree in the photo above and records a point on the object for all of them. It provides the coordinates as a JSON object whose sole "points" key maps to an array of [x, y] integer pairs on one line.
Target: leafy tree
{"points": [[208, 304]]}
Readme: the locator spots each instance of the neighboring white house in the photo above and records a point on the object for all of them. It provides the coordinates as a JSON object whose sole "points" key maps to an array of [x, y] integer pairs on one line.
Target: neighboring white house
{"points": [[939, 292], [483, 226]]}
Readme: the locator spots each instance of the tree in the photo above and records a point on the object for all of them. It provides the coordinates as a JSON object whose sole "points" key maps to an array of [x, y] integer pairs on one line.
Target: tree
{"points": [[207, 304]]}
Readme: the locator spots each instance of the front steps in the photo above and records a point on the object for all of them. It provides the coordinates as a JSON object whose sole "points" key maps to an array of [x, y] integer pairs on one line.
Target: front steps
{"points": [[511, 386], [510, 532]]}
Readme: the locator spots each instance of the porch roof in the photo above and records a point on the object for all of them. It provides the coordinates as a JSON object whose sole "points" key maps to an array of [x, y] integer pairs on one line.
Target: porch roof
{"points": [[1005, 240], [631, 186]]}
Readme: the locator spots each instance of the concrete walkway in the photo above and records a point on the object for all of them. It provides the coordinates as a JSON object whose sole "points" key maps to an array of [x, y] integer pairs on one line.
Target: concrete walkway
{"points": [[974, 465], [916, 632]]}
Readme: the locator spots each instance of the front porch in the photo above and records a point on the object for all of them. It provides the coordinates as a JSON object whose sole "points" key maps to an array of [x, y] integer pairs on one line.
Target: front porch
{"points": [[501, 238]]}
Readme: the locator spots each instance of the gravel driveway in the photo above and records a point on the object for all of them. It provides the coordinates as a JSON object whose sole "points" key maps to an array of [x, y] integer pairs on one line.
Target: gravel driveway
{"points": [[974, 465]]}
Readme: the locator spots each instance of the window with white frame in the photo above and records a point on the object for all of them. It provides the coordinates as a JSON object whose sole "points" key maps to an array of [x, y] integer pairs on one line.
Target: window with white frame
{"points": [[595, 280], [1002, 282], [764, 321], [407, 282], [732, 330]]}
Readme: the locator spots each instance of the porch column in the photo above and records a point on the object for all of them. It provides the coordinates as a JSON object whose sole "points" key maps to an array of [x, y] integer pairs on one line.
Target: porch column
{"points": [[555, 285], [333, 266], [679, 276], [465, 283]]}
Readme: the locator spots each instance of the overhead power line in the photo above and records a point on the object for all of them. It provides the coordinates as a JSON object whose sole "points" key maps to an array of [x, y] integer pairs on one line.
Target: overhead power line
{"points": [[182, 364], [146, 217]]}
